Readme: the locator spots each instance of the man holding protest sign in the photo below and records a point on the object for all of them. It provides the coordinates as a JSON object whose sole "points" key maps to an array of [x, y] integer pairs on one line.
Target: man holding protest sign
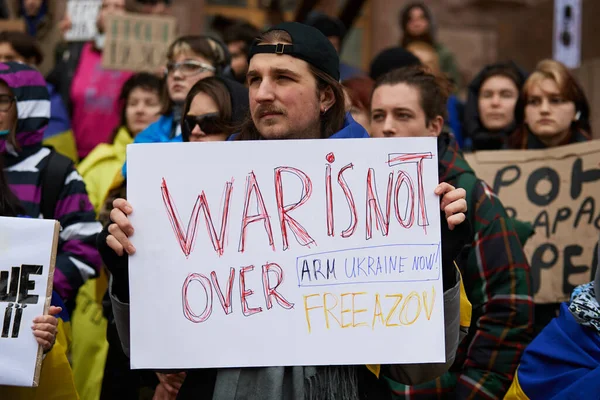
{"points": [[295, 94], [496, 273]]}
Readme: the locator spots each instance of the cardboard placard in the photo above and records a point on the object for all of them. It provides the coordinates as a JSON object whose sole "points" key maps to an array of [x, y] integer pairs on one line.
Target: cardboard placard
{"points": [[12, 25], [137, 42], [558, 191], [27, 257], [83, 14], [275, 253]]}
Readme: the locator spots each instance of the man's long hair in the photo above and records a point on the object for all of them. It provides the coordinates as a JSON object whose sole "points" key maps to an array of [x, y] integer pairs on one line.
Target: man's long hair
{"points": [[331, 121]]}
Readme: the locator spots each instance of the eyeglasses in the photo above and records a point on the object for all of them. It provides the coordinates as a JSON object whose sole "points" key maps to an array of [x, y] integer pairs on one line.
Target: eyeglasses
{"points": [[210, 124], [189, 68], [6, 102]]}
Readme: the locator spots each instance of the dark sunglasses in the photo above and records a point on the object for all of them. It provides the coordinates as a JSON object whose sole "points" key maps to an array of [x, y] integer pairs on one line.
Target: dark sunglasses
{"points": [[210, 124]]}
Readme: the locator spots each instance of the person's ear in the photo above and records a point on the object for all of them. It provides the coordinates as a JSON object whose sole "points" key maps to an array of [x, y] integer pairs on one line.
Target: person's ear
{"points": [[435, 126], [326, 99]]}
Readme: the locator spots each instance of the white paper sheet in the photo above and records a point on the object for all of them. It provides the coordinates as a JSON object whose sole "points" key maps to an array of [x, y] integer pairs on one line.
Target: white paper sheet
{"points": [[27, 245], [177, 286], [83, 14]]}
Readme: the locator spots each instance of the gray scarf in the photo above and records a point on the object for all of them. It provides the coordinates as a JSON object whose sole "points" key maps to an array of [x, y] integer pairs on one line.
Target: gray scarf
{"points": [[287, 383]]}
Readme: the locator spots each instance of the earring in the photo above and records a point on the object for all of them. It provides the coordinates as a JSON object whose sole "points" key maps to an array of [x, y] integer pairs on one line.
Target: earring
{"points": [[577, 115]]}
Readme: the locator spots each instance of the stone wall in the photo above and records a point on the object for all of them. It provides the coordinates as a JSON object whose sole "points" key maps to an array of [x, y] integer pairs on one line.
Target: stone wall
{"points": [[468, 29]]}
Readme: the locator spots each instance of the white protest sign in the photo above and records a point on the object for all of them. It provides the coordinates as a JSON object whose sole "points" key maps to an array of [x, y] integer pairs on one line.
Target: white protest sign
{"points": [[83, 14], [270, 253], [567, 32], [27, 256]]}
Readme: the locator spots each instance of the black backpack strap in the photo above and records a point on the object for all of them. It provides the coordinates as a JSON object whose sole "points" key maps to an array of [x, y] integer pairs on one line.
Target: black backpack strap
{"points": [[53, 178]]}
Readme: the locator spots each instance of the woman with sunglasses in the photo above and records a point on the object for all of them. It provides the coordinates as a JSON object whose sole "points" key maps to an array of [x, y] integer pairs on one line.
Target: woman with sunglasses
{"points": [[214, 108], [190, 59]]}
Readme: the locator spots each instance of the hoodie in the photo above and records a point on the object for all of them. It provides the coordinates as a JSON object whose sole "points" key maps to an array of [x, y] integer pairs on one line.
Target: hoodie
{"points": [[497, 281], [77, 259], [474, 131]]}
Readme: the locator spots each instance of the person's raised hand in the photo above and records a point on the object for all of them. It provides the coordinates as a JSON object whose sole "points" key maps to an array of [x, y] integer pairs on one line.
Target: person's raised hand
{"points": [[453, 204], [120, 229], [44, 328]]}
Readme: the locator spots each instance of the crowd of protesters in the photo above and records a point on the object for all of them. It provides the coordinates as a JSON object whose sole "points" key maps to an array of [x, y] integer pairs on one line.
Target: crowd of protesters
{"points": [[65, 123]]}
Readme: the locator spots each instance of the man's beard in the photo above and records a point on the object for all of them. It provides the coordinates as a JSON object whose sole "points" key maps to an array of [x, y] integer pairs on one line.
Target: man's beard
{"points": [[311, 132]]}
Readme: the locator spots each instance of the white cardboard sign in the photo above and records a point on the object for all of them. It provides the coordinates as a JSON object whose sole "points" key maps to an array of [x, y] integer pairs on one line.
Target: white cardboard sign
{"points": [[83, 14], [27, 257], [270, 253]]}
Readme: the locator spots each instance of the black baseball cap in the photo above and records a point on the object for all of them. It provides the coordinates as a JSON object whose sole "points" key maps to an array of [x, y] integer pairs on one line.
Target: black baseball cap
{"points": [[308, 44]]}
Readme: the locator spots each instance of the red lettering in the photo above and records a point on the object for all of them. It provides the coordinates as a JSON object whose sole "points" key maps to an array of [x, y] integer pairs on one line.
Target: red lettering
{"points": [[225, 300], [187, 310], [186, 240], [396, 159], [299, 232], [350, 199], [252, 187], [272, 291], [329, 201], [410, 211], [244, 294], [383, 221]]}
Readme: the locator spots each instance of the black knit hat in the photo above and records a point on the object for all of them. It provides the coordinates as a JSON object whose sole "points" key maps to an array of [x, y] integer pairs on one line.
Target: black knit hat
{"points": [[308, 44], [390, 59]]}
